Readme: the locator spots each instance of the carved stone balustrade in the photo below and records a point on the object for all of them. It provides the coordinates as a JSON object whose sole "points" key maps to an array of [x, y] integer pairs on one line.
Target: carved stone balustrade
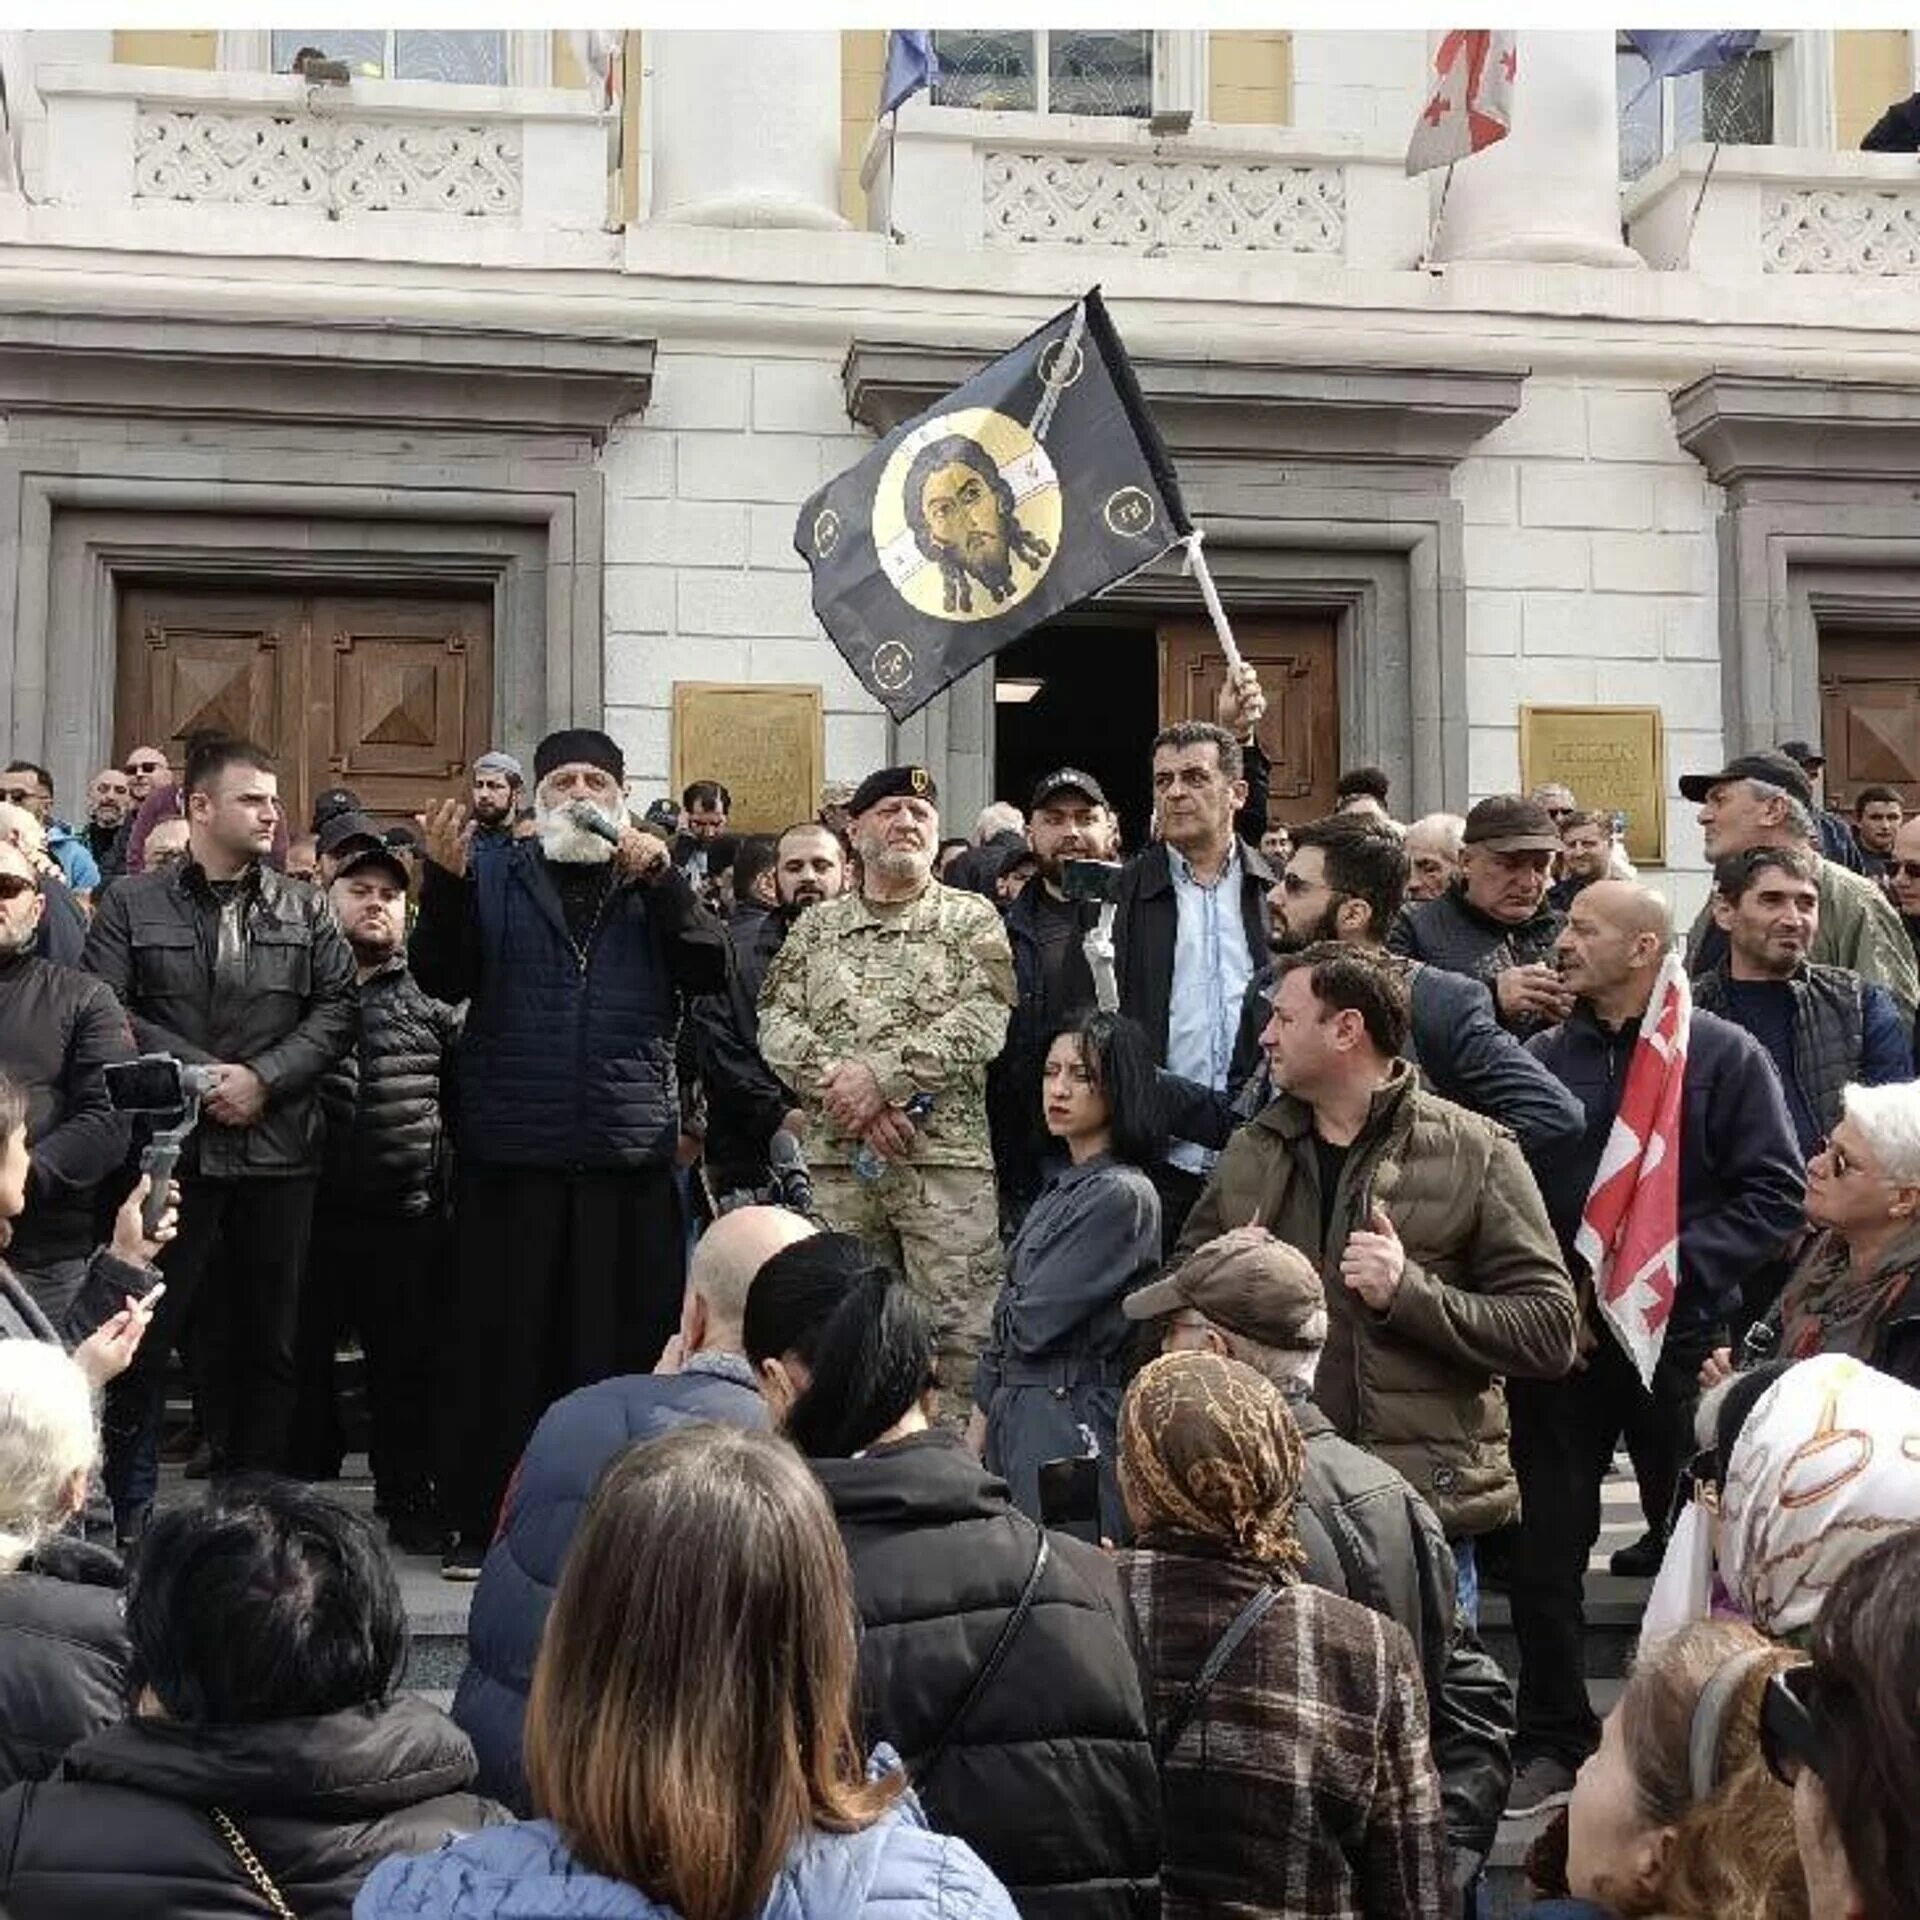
{"points": [[151, 137], [992, 180], [1759, 211]]}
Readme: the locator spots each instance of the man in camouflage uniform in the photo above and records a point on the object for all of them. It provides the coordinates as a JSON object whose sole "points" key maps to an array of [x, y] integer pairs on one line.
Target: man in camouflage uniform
{"points": [[900, 990]]}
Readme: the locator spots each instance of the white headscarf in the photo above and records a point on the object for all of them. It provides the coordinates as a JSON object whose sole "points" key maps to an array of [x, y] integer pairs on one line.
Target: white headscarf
{"points": [[1827, 1463]]}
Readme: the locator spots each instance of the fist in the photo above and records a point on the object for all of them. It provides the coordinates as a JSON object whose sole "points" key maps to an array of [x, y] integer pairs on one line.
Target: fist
{"points": [[1241, 705], [641, 855], [1374, 1261]]}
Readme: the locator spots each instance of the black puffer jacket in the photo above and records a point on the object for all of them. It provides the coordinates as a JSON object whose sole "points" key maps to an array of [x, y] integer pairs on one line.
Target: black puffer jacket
{"points": [[63, 1654], [1051, 1779], [1453, 934], [381, 1099], [125, 1827]]}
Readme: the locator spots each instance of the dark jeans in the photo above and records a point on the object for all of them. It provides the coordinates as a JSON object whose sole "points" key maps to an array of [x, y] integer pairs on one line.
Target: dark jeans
{"points": [[1564, 1435], [240, 1254], [560, 1279], [385, 1278]]}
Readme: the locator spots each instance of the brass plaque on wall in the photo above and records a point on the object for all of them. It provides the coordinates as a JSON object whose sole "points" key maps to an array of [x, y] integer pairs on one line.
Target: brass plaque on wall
{"points": [[1613, 758], [765, 745]]}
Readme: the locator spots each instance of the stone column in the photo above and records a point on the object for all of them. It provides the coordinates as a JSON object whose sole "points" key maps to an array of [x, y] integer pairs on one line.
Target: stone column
{"points": [[1550, 191], [745, 128]]}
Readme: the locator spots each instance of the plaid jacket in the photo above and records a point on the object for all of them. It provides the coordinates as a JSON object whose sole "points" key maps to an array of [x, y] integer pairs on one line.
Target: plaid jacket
{"points": [[1303, 1785]]}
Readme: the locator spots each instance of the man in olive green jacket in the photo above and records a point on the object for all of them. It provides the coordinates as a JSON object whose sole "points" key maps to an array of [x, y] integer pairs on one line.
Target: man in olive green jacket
{"points": [[1442, 1272]]}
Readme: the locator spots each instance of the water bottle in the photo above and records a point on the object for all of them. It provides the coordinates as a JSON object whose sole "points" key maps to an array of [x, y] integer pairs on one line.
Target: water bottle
{"points": [[868, 1165]]}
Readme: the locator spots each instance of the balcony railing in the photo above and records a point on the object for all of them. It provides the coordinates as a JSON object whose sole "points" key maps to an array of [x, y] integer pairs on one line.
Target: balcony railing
{"points": [[1778, 210], [992, 180], [145, 137]]}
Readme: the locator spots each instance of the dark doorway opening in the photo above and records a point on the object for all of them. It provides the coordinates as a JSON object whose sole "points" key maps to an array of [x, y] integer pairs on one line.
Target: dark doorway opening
{"points": [[1098, 708]]}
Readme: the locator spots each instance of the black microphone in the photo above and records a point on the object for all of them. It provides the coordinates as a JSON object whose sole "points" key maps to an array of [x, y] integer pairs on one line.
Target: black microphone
{"points": [[792, 1178], [591, 820]]}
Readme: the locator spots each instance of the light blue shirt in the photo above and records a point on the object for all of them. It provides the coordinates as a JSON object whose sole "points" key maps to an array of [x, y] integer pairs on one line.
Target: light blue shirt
{"points": [[1211, 968]]}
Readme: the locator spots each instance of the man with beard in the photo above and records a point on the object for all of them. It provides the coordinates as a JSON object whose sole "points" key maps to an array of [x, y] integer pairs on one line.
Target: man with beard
{"points": [[1586, 854], [495, 799], [962, 514], [58, 1029], [574, 948], [1494, 922], [378, 1246], [883, 1011], [109, 805], [1070, 820], [746, 1101], [1344, 882]]}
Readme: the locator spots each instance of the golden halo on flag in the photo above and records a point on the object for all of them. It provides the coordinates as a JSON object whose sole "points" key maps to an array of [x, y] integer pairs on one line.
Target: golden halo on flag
{"points": [[966, 515]]}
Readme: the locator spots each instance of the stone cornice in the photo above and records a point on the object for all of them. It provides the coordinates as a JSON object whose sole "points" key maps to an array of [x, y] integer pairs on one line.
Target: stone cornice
{"points": [[388, 377], [1397, 416], [1748, 426]]}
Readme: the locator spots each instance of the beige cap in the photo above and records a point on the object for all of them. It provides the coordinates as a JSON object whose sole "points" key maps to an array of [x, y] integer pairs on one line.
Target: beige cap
{"points": [[1245, 1282]]}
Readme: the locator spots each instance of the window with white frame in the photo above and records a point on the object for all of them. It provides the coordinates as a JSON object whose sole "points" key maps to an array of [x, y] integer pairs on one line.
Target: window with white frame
{"points": [[477, 59], [1737, 104], [1093, 70]]}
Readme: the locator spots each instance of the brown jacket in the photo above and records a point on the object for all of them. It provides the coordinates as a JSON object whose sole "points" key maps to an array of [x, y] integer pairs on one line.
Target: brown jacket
{"points": [[1485, 1293]]}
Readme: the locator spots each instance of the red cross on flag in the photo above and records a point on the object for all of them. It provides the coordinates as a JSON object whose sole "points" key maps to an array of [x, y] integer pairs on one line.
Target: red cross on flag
{"points": [[1630, 1227], [1471, 105]]}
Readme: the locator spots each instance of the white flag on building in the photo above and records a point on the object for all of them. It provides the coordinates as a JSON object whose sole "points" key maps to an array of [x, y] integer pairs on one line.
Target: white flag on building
{"points": [[1471, 105]]}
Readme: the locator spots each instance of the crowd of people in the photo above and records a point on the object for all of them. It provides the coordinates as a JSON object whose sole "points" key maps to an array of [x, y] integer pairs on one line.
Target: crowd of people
{"points": [[1151, 1290]]}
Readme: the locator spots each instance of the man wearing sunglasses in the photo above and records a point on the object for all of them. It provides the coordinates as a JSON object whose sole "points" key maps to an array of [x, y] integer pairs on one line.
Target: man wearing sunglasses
{"points": [[26, 785], [1903, 878]]}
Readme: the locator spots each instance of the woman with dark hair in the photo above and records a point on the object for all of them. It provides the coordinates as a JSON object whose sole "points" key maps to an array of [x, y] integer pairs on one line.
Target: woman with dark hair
{"points": [[268, 1762], [1842, 1732], [690, 1736], [996, 1658], [1048, 1385], [1292, 1724]]}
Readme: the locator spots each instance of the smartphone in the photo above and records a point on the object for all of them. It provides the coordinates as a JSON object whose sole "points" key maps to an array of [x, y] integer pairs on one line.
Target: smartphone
{"points": [[150, 1084], [1070, 1496], [1097, 880]]}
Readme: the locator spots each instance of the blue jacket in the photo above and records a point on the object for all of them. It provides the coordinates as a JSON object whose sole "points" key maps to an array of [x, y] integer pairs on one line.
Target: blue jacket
{"points": [[567, 1057], [576, 1437], [892, 1870], [75, 857], [1742, 1182]]}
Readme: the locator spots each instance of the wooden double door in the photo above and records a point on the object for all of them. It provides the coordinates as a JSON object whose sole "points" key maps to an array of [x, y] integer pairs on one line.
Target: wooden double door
{"points": [[1870, 714], [390, 695]]}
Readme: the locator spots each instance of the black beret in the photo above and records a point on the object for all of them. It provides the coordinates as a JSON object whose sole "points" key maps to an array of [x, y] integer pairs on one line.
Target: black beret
{"points": [[890, 781], [578, 746]]}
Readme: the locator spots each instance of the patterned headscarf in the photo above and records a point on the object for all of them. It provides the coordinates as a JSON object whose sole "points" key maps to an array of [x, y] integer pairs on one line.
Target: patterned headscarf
{"points": [[1827, 1464], [1209, 1455]]}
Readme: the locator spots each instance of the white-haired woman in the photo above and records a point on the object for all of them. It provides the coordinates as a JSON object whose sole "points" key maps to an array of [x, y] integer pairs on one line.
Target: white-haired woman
{"points": [[63, 1649], [1856, 1289]]}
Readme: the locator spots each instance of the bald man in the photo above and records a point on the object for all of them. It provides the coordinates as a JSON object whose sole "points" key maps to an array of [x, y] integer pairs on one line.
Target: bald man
{"points": [[1741, 1191], [703, 1375], [62, 935]]}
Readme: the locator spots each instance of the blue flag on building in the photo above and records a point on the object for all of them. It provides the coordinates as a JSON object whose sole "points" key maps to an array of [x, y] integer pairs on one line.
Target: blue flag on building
{"points": [[1669, 54], [912, 67]]}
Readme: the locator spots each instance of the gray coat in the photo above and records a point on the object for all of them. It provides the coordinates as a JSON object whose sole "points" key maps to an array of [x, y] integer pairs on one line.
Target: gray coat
{"points": [[1052, 1377]]}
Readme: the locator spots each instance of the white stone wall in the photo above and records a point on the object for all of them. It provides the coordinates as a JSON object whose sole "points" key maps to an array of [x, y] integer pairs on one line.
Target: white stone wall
{"points": [[1369, 84], [702, 582], [1591, 580]]}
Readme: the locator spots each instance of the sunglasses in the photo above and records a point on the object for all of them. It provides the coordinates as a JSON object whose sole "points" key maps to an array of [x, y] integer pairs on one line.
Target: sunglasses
{"points": [[143, 766], [1906, 869], [1790, 1737], [13, 885], [17, 796]]}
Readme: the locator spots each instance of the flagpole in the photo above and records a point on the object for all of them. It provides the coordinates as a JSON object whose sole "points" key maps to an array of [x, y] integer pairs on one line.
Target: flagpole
{"points": [[1197, 566]]}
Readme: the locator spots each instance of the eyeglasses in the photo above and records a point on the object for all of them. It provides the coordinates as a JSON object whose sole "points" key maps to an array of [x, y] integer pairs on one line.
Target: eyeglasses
{"points": [[13, 885], [1789, 1724], [1906, 869], [17, 796], [143, 766]]}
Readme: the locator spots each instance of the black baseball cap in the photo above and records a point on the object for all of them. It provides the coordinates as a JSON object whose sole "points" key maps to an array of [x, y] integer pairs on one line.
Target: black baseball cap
{"points": [[1775, 767], [332, 803], [1068, 780], [379, 856], [336, 831], [1805, 752]]}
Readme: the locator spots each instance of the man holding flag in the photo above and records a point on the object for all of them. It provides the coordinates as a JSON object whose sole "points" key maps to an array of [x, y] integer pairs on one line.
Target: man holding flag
{"points": [[1686, 1180]]}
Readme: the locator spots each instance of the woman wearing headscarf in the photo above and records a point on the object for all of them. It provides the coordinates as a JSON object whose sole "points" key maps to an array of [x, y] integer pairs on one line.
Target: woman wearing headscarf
{"points": [[1810, 1466], [1291, 1724], [1857, 1287]]}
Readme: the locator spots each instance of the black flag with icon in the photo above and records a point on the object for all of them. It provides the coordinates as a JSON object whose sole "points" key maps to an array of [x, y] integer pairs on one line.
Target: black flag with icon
{"points": [[1028, 489]]}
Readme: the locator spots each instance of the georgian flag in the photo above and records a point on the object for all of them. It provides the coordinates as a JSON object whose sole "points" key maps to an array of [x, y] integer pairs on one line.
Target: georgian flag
{"points": [[1471, 105], [1630, 1227]]}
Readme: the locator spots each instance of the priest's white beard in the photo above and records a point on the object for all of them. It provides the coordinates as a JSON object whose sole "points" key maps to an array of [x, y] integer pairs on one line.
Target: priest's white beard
{"points": [[569, 845]]}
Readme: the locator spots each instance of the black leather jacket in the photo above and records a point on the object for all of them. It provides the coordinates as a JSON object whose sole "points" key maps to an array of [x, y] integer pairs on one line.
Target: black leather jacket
{"points": [[382, 1100], [282, 1004]]}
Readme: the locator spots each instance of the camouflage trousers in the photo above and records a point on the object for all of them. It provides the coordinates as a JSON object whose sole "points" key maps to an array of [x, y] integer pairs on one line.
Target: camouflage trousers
{"points": [[941, 1227]]}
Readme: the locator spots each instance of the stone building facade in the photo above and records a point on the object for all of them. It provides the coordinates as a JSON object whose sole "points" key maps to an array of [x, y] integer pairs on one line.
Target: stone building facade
{"points": [[446, 404]]}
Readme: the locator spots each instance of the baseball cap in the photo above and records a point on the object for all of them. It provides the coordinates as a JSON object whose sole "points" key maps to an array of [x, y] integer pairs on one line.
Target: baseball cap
{"points": [[1805, 752], [1510, 823], [1774, 767], [1245, 1282], [381, 856], [1068, 780], [339, 828], [335, 800]]}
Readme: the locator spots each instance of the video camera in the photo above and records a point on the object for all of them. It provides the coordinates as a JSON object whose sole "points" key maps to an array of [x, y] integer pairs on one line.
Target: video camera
{"points": [[168, 1092]]}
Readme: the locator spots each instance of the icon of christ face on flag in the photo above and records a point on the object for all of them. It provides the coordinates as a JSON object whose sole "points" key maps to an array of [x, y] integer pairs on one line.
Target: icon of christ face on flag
{"points": [[1035, 485]]}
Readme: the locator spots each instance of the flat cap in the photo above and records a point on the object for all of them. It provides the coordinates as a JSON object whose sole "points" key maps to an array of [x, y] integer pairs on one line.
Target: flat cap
{"points": [[502, 763], [1508, 823], [1245, 1282], [890, 781]]}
